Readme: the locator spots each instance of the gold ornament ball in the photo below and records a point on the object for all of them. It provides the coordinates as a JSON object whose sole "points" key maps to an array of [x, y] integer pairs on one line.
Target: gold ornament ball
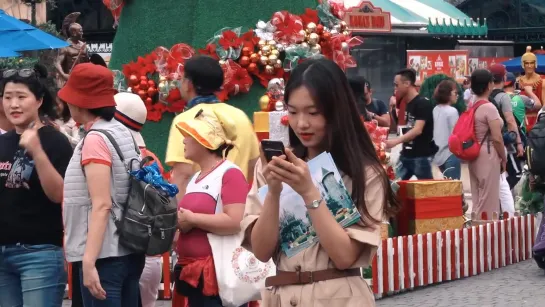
{"points": [[278, 64], [271, 43], [266, 50], [275, 52], [264, 103], [272, 59], [269, 69], [162, 79], [346, 33], [280, 47], [316, 49], [264, 60], [303, 34], [345, 47], [343, 25], [161, 86], [222, 62], [304, 45], [311, 27], [262, 43], [313, 39]]}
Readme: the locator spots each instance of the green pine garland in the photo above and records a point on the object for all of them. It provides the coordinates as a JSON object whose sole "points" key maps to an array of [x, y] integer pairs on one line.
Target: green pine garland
{"points": [[428, 88]]}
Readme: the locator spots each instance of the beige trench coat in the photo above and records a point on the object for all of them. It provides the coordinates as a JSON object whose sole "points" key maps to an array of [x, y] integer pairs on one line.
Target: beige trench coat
{"points": [[343, 292]]}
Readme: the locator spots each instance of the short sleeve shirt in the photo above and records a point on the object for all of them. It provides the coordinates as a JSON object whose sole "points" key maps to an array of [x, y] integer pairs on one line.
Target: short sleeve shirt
{"points": [[420, 108], [378, 107]]}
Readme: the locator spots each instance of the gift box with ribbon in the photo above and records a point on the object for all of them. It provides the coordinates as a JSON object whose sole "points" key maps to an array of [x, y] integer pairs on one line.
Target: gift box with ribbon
{"points": [[429, 206], [272, 125]]}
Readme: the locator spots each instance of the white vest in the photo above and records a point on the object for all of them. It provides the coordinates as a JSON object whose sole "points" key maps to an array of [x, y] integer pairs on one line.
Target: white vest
{"points": [[211, 183], [77, 202]]}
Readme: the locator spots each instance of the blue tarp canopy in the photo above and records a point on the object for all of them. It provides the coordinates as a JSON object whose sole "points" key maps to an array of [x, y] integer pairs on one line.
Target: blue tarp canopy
{"points": [[7, 53]]}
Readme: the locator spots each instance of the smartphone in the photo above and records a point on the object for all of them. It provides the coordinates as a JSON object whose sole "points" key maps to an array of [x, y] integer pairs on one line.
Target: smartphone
{"points": [[272, 149]]}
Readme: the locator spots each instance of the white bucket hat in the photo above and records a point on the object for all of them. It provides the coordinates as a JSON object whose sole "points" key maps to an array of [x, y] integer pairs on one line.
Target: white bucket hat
{"points": [[131, 112]]}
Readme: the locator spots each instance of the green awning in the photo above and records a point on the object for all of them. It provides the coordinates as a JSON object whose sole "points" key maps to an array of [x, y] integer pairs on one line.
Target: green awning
{"points": [[444, 18]]}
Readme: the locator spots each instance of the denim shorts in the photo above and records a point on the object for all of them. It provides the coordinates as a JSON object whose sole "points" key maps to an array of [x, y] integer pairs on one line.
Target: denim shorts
{"points": [[32, 275]]}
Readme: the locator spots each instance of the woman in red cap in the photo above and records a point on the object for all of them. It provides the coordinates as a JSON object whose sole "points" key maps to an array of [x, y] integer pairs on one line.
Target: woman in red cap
{"points": [[96, 183], [33, 161]]}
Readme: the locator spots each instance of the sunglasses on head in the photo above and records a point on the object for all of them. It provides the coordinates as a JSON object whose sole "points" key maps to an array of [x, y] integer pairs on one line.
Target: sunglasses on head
{"points": [[23, 73]]}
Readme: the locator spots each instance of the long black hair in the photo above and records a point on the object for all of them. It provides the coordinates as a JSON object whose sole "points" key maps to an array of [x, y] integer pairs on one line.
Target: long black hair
{"points": [[36, 85], [347, 140]]}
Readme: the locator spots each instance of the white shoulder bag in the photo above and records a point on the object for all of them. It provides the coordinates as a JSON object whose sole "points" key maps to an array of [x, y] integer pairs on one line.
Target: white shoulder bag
{"points": [[241, 277]]}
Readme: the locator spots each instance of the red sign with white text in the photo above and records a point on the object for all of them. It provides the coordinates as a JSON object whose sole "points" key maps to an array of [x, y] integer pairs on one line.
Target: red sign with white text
{"points": [[452, 63], [368, 18]]}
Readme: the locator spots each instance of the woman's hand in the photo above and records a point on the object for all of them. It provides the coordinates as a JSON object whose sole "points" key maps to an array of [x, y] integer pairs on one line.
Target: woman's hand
{"points": [[185, 218], [294, 172], [503, 166], [91, 281], [275, 185], [30, 140]]}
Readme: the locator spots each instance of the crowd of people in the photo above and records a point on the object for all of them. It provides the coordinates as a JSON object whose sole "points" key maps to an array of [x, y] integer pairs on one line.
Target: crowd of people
{"points": [[62, 180]]}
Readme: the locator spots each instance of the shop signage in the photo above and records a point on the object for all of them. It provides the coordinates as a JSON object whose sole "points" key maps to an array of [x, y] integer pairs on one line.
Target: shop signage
{"points": [[484, 62], [453, 63], [367, 18]]}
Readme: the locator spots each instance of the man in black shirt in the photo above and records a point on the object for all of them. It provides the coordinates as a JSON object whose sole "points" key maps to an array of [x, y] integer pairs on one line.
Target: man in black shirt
{"points": [[369, 107], [417, 137]]}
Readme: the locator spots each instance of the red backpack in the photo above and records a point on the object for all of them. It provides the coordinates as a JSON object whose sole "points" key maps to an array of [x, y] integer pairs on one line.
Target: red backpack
{"points": [[463, 142]]}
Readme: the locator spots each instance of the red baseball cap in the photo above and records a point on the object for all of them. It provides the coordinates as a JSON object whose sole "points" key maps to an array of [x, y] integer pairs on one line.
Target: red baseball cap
{"points": [[498, 71], [89, 86]]}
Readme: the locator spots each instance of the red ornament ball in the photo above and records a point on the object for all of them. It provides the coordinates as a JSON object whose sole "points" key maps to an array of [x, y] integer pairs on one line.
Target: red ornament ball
{"points": [[252, 67], [143, 78], [244, 60], [133, 80], [151, 83], [149, 100], [246, 51], [326, 36], [151, 91], [320, 29], [143, 84], [284, 120]]}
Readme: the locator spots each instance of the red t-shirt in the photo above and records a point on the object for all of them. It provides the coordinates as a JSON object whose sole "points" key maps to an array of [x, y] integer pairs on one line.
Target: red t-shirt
{"points": [[234, 190]]}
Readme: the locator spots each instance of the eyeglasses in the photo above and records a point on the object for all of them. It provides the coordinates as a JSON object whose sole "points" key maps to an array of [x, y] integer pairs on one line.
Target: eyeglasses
{"points": [[23, 73]]}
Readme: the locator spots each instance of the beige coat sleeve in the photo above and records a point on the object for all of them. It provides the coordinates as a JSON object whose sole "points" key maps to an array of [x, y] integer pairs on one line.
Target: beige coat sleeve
{"points": [[253, 205], [370, 234]]}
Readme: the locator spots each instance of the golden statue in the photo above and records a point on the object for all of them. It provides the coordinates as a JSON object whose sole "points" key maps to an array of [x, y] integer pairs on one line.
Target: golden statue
{"points": [[531, 78], [73, 54]]}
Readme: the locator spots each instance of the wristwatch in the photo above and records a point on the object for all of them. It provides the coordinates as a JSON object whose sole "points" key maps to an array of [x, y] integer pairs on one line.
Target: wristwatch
{"points": [[314, 204]]}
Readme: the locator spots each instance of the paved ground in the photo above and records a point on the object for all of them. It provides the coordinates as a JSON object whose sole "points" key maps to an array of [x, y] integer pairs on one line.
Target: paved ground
{"points": [[518, 285]]}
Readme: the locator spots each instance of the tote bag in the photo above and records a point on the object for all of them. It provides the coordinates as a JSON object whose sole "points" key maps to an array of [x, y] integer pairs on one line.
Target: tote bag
{"points": [[241, 277]]}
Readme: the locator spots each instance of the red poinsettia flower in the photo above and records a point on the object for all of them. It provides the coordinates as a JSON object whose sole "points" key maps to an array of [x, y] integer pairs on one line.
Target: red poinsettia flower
{"points": [[249, 39], [264, 78], [222, 95], [229, 39], [209, 50], [309, 16]]}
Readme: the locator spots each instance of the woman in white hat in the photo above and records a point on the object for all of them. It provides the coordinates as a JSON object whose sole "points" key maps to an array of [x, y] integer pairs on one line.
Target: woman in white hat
{"points": [[131, 112]]}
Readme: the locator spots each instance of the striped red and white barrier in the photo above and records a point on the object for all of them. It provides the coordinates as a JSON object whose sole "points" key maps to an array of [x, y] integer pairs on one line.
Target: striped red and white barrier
{"points": [[408, 262]]}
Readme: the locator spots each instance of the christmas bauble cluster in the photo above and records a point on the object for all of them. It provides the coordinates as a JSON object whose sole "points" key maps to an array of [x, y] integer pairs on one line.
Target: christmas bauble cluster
{"points": [[317, 37], [266, 59], [143, 87]]}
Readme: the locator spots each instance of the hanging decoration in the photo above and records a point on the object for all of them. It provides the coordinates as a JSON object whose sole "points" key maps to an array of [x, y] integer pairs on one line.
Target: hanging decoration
{"points": [[268, 52]]}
